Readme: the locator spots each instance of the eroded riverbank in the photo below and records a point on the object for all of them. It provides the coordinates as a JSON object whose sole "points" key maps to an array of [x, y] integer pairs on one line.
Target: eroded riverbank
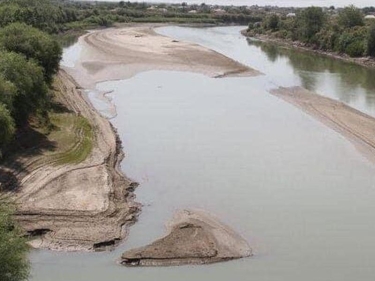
{"points": [[86, 206]]}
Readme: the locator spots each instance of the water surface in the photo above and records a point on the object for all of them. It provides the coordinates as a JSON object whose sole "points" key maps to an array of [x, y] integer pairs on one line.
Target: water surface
{"points": [[297, 191]]}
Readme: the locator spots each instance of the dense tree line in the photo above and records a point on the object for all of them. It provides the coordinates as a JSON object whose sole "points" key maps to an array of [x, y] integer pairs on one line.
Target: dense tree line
{"points": [[28, 60], [345, 31], [54, 16], [47, 15]]}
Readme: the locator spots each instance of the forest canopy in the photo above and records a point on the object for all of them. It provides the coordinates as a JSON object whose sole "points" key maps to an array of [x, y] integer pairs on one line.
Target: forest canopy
{"points": [[29, 58], [344, 30]]}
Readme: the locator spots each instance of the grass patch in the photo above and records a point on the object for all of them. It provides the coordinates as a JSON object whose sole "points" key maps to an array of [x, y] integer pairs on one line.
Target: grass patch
{"points": [[73, 136], [54, 136]]}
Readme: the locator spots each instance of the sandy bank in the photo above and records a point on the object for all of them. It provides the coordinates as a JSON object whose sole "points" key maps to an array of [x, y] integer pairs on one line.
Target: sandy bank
{"points": [[85, 206], [194, 237], [113, 54], [357, 127]]}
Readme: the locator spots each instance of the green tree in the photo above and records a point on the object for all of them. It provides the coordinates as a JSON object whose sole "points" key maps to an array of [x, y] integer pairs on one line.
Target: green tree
{"points": [[353, 41], [272, 22], [7, 93], [310, 22], [351, 16], [371, 41], [7, 129], [27, 77], [38, 13], [14, 265], [33, 43]]}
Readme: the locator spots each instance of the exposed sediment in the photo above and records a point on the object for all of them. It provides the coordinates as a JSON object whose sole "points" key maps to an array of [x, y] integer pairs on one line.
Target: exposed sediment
{"points": [[354, 125], [194, 237], [88, 206], [113, 54], [85, 206]]}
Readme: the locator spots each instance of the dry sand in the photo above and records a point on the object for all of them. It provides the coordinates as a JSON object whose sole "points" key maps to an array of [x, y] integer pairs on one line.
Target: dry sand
{"points": [[356, 126], [113, 54], [194, 237]]}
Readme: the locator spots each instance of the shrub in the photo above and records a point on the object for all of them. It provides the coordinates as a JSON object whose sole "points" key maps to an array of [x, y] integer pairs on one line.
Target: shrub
{"points": [[355, 49], [13, 248], [371, 41], [33, 43], [350, 17]]}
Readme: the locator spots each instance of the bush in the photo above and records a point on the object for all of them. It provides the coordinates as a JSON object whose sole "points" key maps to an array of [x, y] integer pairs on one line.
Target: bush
{"points": [[7, 93], [272, 22], [355, 49], [13, 248], [28, 80], [351, 17], [33, 43], [352, 42], [371, 41], [7, 127], [310, 21]]}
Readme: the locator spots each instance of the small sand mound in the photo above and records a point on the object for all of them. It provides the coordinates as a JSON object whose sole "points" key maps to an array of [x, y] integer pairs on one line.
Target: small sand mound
{"points": [[194, 237]]}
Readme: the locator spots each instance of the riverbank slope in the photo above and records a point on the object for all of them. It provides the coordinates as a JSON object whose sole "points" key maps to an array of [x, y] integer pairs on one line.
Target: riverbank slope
{"points": [[71, 206]]}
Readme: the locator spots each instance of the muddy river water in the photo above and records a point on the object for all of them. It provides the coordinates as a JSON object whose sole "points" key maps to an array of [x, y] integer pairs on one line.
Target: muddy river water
{"points": [[299, 192]]}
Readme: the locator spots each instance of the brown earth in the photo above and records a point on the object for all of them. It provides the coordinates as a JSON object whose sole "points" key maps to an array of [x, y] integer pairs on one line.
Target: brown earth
{"points": [[194, 237]]}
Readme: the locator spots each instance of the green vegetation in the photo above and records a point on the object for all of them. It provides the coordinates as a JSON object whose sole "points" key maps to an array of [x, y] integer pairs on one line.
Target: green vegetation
{"points": [[53, 16], [310, 21], [74, 135], [350, 17], [33, 44], [29, 58], [345, 31], [371, 40], [31, 92], [14, 265], [7, 126]]}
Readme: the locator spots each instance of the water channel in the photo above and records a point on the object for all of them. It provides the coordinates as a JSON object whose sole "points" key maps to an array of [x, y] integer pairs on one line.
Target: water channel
{"points": [[300, 193]]}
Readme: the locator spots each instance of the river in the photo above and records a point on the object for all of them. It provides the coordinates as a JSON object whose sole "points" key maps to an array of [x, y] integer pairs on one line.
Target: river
{"points": [[300, 193]]}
